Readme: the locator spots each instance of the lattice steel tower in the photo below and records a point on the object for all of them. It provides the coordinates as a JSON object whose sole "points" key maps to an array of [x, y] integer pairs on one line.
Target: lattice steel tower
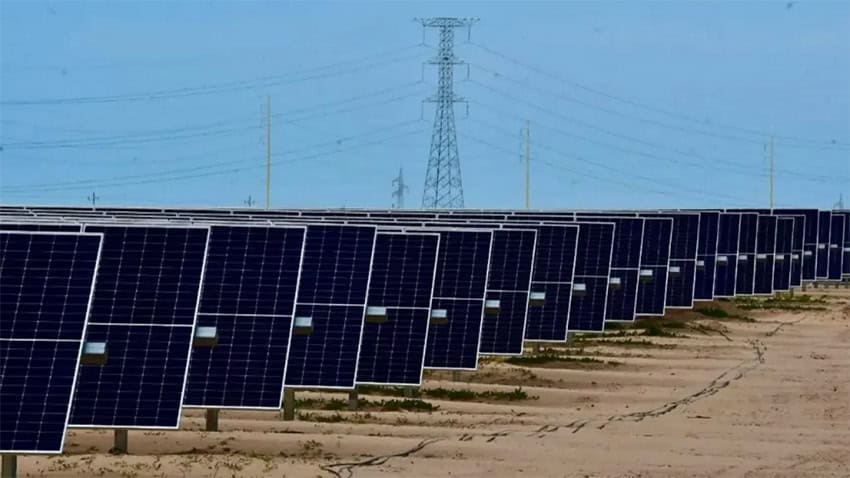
{"points": [[443, 185]]}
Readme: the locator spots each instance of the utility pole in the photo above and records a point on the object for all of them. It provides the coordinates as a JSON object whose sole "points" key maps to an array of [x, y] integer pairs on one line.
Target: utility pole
{"points": [[527, 166], [443, 184], [93, 199], [400, 190], [268, 152], [250, 201], [771, 172]]}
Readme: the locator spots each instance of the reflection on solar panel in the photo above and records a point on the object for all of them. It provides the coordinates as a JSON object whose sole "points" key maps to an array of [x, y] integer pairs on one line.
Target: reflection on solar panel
{"points": [[836, 246], [747, 238], [726, 263], [331, 306], [824, 239], [45, 293], [783, 256], [654, 261], [399, 303], [706, 255], [248, 297], [144, 309], [765, 250], [457, 311], [551, 283]]}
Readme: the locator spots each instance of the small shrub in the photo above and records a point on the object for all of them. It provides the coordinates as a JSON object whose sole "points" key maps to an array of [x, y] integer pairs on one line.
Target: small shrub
{"points": [[715, 312]]}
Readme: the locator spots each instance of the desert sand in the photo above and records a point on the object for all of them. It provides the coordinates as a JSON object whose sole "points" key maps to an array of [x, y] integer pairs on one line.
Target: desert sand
{"points": [[762, 394]]}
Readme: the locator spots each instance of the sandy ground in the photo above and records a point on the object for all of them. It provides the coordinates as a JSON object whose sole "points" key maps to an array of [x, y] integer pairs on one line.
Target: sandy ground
{"points": [[723, 398]]}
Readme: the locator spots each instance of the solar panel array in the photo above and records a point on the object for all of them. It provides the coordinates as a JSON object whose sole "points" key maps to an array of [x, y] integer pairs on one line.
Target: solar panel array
{"points": [[45, 294], [225, 308]]}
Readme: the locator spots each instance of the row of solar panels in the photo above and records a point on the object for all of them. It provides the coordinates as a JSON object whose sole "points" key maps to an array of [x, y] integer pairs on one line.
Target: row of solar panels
{"points": [[330, 299]]}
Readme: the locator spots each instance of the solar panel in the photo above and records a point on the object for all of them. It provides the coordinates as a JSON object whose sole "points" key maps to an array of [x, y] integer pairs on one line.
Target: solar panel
{"points": [[706, 255], [654, 262], [783, 259], [399, 303], [332, 298], [144, 309], [591, 277], [808, 259], [248, 296], [726, 263], [824, 240], [836, 247], [625, 266], [797, 250], [747, 239], [41, 227], [845, 265], [551, 283], [765, 255], [683, 255], [459, 290], [509, 283], [45, 295]]}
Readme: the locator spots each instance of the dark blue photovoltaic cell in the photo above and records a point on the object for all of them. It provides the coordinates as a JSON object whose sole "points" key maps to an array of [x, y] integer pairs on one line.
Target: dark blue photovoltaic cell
{"points": [[745, 278], [706, 253], [45, 285], [392, 352], [783, 262], [726, 263], [592, 271], [655, 257], [548, 322], [683, 253], [822, 254], [810, 239], [334, 282], [461, 280], [144, 309], [845, 266], [36, 378], [245, 368], [148, 275], [249, 297], [511, 262], [625, 263], [836, 246], [797, 247], [9, 226], [142, 382], [336, 264], [252, 270], [459, 349], [765, 250], [403, 270]]}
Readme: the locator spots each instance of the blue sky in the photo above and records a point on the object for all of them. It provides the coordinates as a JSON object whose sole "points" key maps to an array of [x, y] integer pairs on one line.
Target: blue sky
{"points": [[631, 104]]}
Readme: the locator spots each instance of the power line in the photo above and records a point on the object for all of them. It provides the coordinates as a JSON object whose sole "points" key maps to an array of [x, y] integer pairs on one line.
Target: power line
{"points": [[188, 173], [262, 82], [601, 129], [703, 164], [653, 109]]}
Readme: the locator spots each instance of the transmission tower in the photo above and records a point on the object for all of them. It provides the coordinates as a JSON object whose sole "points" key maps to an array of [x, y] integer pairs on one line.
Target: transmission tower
{"points": [[840, 203], [443, 185], [93, 198], [400, 190]]}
